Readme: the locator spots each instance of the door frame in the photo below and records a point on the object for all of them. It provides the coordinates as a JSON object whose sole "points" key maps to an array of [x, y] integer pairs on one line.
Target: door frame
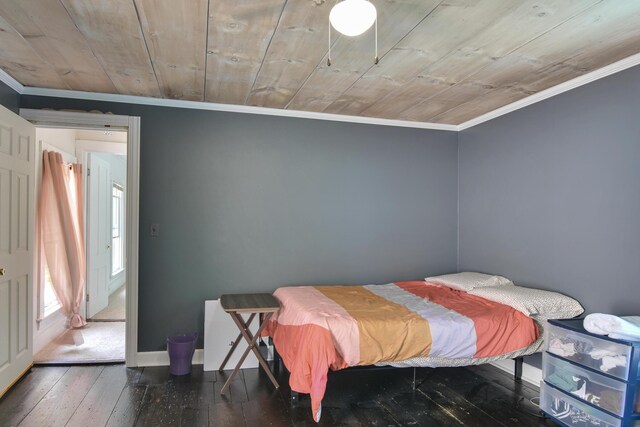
{"points": [[74, 120]]}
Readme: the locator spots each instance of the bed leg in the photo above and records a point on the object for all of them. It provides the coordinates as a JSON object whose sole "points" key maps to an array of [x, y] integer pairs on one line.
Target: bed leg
{"points": [[294, 398], [276, 358], [413, 385], [517, 375]]}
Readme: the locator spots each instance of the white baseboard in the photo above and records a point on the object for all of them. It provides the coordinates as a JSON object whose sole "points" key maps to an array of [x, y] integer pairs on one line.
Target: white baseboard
{"points": [[161, 358], [117, 281], [530, 374], [49, 329]]}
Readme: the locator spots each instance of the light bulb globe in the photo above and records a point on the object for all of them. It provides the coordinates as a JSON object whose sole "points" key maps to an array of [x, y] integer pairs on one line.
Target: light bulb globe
{"points": [[352, 17]]}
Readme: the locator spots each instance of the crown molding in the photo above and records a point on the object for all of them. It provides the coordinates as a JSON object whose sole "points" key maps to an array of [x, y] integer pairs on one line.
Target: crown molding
{"points": [[197, 105], [600, 73], [11, 82]]}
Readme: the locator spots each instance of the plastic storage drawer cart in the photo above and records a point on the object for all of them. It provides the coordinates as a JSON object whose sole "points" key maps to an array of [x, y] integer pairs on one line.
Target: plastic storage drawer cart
{"points": [[589, 380]]}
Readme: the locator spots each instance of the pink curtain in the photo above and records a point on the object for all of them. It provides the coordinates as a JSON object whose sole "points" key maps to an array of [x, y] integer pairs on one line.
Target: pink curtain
{"points": [[62, 232]]}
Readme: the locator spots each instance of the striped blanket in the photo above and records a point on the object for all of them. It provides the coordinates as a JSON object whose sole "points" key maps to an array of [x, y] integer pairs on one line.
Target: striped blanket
{"points": [[333, 327]]}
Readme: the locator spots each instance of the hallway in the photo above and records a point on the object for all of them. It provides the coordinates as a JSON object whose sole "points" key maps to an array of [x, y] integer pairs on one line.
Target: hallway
{"points": [[101, 340]]}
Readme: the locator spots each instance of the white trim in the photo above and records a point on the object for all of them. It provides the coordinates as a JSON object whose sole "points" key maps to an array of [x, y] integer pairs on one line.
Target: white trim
{"points": [[131, 239], [600, 73], [48, 329], [46, 118], [530, 374], [11, 82], [197, 105], [161, 358], [116, 281], [117, 278], [66, 119]]}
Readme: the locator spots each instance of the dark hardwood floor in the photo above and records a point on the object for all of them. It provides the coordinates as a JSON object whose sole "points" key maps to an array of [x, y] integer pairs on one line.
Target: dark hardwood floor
{"points": [[112, 395]]}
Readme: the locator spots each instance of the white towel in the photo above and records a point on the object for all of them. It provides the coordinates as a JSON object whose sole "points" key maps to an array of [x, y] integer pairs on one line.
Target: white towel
{"points": [[626, 327]]}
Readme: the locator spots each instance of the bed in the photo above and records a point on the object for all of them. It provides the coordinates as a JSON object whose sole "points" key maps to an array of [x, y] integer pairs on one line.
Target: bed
{"points": [[441, 321]]}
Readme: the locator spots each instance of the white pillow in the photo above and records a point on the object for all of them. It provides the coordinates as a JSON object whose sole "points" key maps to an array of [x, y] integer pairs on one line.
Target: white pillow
{"points": [[469, 280], [533, 302]]}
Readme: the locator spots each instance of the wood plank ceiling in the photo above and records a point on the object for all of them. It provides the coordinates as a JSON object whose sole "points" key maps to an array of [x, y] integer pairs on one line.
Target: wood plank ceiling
{"points": [[441, 61]]}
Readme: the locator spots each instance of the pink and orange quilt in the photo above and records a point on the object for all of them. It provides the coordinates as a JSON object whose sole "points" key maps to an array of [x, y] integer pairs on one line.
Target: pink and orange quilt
{"points": [[333, 327]]}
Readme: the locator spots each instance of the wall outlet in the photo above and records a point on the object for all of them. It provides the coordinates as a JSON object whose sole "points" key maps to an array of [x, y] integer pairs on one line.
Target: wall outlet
{"points": [[154, 230]]}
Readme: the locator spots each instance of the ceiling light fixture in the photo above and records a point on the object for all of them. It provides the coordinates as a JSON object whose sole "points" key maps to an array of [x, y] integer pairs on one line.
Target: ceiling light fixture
{"points": [[352, 18]]}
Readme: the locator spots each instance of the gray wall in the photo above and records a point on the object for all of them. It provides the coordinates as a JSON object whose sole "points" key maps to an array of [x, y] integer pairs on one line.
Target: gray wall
{"points": [[248, 203], [9, 98], [550, 195]]}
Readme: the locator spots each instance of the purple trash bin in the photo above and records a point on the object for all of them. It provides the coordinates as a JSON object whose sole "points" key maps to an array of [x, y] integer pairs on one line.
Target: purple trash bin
{"points": [[181, 349]]}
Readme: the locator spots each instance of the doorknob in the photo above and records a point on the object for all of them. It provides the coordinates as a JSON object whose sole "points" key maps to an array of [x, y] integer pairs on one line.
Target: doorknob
{"points": [[108, 246], [2, 271]]}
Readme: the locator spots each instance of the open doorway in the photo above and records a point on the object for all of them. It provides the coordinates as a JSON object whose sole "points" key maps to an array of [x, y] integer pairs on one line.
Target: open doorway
{"points": [[102, 154], [97, 121]]}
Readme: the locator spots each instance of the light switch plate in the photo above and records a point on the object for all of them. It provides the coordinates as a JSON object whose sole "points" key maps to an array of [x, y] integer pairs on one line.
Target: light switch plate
{"points": [[154, 230]]}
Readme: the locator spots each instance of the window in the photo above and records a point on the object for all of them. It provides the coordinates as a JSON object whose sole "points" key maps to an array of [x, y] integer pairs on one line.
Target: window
{"points": [[117, 229], [50, 301]]}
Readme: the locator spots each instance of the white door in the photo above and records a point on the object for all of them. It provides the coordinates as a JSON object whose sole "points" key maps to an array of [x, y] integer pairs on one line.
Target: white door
{"points": [[17, 183], [99, 234]]}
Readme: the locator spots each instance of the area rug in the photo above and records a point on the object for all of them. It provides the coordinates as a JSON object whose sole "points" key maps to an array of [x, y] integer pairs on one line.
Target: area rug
{"points": [[98, 342]]}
